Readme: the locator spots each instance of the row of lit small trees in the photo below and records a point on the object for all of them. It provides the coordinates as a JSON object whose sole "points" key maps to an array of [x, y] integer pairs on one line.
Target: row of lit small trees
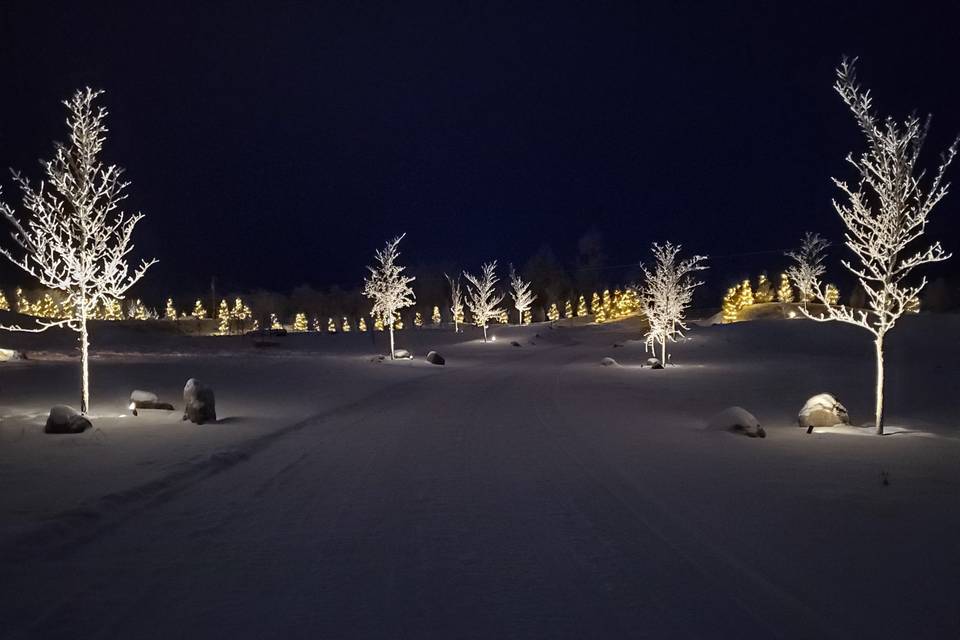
{"points": [[744, 295]]}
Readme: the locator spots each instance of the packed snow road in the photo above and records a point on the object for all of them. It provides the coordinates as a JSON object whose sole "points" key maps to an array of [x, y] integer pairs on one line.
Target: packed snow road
{"points": [[521, 492]]}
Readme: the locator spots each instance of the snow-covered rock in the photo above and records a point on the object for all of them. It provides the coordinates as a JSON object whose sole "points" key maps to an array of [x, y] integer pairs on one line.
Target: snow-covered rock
{"points": [[138, 396], [199, 404], [64, 419], [402, 354], [514, 343], [435, 358], [738, 420], [609, 362], [6, 355], [822, 410], [654, 363]]}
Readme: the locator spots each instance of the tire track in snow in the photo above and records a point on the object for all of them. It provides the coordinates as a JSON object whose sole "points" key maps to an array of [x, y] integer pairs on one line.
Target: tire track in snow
{"points": [[771, 610]]}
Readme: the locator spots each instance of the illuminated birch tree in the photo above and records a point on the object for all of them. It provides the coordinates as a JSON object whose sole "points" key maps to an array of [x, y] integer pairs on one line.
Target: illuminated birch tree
{"points": [[885, 213], [808, 265], [520, 293], [73, 236], [482, 298], [666, 293], [456, 302], [387, 286]]}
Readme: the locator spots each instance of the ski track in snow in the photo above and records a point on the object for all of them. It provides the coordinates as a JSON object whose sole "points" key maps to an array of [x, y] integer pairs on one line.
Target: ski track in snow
{"points": [[530, 493]]}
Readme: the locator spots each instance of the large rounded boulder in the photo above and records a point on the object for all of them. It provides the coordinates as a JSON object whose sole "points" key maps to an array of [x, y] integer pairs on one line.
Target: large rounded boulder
{"points": [[822, 410], [199, 403], [64, 419]]}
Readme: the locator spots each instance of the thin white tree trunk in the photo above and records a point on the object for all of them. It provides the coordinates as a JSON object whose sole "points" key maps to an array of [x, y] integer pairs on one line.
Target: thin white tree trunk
{"points": [[391, 341], [663, 351], [84, 361], [484, 333], [878, 416]]}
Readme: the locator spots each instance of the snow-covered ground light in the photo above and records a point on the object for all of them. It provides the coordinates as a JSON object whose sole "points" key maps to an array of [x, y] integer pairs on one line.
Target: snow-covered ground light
{"points": [[514, 492]]}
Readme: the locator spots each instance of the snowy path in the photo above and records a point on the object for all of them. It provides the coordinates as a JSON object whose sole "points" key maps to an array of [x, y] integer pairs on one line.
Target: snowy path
{"points": [[509, 500]]}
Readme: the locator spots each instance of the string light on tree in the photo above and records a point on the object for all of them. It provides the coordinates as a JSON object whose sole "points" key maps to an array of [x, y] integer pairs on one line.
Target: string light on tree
{"points": [[582, 307], [315, 324], [4, 304], [300, 323], [745, 295], [595, 302], [331, 326], [731, 306], [378, 322], [435, 318], [785, 291], [363, 325], [346, 324], [170, 312], [418, 319], [568, 310], [223, 316], [198, 311], [23, 305], [527, 317], [275, 322], [553, 314], [764, 293]]}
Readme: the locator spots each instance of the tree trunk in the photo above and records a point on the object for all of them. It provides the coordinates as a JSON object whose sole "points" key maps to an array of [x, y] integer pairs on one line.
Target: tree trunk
{"points": [[84, 361], [484, 333], [391, 341], [878, 416], [519, 318], [663, 351]]}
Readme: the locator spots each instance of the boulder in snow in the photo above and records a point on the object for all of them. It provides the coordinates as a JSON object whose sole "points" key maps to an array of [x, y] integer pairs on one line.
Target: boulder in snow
{"points": [[822, 410], [654, 363], [64, 419], [143, 396], [737, 420], [6, 355], [514, 343], [402, 354], [609, 362], [199, 404], [435, 358], [147, 400]]}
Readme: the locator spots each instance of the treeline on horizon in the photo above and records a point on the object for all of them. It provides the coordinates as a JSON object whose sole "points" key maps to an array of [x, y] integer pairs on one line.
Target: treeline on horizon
{"points": [[553, 281]]}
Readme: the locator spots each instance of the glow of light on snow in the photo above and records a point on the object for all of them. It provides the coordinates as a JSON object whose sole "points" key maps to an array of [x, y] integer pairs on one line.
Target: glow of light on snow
{"points": [[493, 338]]}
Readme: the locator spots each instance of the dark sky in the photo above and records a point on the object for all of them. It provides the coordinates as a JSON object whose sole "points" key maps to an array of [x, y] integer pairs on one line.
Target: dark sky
{"points": [[273, 144]]}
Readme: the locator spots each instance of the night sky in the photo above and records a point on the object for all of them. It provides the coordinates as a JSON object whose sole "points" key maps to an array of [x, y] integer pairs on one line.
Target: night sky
{"points": [[275, 144]]}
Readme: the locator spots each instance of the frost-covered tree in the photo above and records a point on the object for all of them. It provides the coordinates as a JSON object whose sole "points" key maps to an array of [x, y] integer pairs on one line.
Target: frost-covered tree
{"points": [[520, 294], [73, 236], [456, 302], [387, 286], [885, 212], [482, 297], [666, 293], [808, 265]]}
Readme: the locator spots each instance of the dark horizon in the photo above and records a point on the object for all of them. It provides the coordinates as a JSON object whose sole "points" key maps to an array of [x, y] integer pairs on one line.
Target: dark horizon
{"points": [[272, 146]]}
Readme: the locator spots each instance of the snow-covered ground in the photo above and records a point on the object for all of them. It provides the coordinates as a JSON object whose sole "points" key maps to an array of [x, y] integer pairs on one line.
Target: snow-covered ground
{"points": [[514, 492]]}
